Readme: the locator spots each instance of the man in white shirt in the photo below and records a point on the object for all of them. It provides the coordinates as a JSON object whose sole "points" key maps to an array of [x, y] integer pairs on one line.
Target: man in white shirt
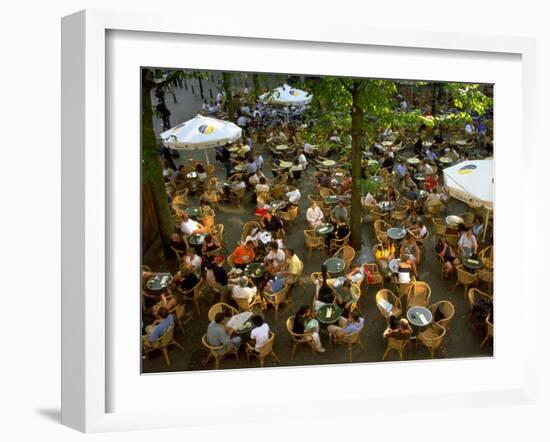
{"points": [[241, 121], [309, 148], [219, 98], [255, 179], [192, 262], [469, 128], [242, 291], [294, 196], [425, 168], [260, 332], [189, 226], [302, 160], [262, 186], [314, 215]]}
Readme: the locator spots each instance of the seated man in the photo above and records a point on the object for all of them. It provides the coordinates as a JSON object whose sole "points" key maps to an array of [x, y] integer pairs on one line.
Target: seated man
{"points": [[272, 223], [186, 280], [189, 226], [255, 179], [218, 335], [403, 332], [243, 291], [346, 326], [244, 254], [410, 251], [262, 186], [339, 211], [157, 329], [294, 265], [260, 333], [191, 262], [344, 297], [314, 215], [294, 196]]}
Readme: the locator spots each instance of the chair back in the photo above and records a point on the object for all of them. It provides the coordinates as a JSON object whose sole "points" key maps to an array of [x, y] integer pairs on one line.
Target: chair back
{"points": [[418, 294], [217, 232], [324, 192], [267, 348], [243, 303], [433, 336], [439, 226], [475, 295], [289, 215], [297, 337], [211, 348], [400, 215], [380, 229], [452, 239], [208, 221], [352, 338], [434, 209], [446, 308], [312, 240], [248, 227], [336, 244], [166, 337], [468, 219], [384, 296], [347, 253], [220, 307], [464, 276]]}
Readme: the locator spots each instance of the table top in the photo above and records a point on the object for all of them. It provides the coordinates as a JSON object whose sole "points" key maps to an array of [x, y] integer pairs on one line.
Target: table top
{"points": [[413, 160], [427, 143], [422, 193], [281, 147], [254, 270], [192, 175], [472, 263], [324, 229], [233, 149], [387, 143], [240, 167], [396, 233], [329, 314], [335, 265], [197, 239], [453, 220], [461, 142], [159, 281], [419, 316], [329, 163], [240, 322], [446, 160], [330, 199], [385, 205], [192, 212], [419, 177], [285, 164], [277, 204], [377, 178], [394, 264]]}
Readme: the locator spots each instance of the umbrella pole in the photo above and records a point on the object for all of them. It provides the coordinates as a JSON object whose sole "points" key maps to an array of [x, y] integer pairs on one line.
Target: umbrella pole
{"points": [[206, 155], [486, 223]]}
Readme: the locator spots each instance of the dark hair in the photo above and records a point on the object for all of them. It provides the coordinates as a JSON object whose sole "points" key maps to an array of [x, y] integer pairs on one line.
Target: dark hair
{"points": [[346, 284], [274, 245], [262, 180], [163, 312], [200, 168], [208, 238], [249, 243], [291, 251], [302, 310], [219, 317], [354, 315], [257, 320], [394, 323]]}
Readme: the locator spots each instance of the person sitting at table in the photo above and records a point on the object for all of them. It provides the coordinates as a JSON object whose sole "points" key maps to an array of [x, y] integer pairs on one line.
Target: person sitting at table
{"points": [[314, 215], [295, 171], [201, 172], [167, 300], [339, 211], [340, 231], [177, 243], [212, 195], [209, 244], [400, 169], [275, 259], [255, 179], [304, 323], [275, 285], [402, 332], [419, 231], [272, 223], [237, 184], [404, 270], [324, 292], [205, 209], [346, 326], [477, 226], [302, 159], [346, 184], [243, 290], [443, 249], [192, 262], [325, 181], [309, 149], [258, 159], [408, 183], [243, 254], [410, 250], [293, 196], [190, 227], [157, 329], [384, 254], [218, 278], [262, 186], [467, 244], [388, 162], [412, 220], [419, 147], [369, 201], [433, 198], [251, 166], [185, 280], [218, 335], [391, 195], [344, 298], [259, 335], [424, 168], [355, 276]]}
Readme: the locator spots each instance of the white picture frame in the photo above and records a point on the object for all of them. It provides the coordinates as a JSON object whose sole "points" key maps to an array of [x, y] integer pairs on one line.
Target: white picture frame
{"points": [[87, 213]]}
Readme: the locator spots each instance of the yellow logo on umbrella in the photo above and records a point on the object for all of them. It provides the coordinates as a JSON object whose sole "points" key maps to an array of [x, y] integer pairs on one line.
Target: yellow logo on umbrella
{"points": [[206, 129], [293, 93], [466, 169]]}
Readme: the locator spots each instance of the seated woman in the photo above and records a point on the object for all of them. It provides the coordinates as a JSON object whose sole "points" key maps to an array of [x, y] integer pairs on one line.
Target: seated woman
{"points": [[478, 226], [404, 270], [340, 232], [305, 323], [443, 249], [325, 293], [205, 209], [344, 298], [244, 254], [467, 244], [412, 221], [368, 201], [314, 215], [410, 251], [210, 244], [201, 172], [177, 243], [346, 326], [275, 258], [419, 231], [167, 300]]}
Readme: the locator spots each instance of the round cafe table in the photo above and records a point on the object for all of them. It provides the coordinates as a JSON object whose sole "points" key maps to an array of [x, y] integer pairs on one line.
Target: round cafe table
{"points": [[396, 233], [192, 175], [159, 282], [240, 168], [324, 229], [394, 265], [330, 199], [386, 143], [419, 317], [241, 323], [413, 160], [461, 142], [329, 163], [335, 265], [277, 204], [197, 239], [377, 179], [422, 194], [386, 206], [193, 212], [329, 314], [472, 263], [446, 160], [254, 270], [281, 147], [285, 164]]}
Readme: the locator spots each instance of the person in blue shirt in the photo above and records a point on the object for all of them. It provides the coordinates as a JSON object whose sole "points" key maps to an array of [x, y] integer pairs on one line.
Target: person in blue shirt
{"points": [[347, 326], [157, 329], [400, 169]]}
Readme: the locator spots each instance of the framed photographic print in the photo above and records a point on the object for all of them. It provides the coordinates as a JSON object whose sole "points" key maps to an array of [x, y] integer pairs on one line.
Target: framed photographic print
{"points": [[283, 208]]}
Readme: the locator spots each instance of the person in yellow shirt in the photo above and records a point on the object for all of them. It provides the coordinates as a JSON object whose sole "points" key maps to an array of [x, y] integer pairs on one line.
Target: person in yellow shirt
{"points": [[384, 254], [294, 266]]}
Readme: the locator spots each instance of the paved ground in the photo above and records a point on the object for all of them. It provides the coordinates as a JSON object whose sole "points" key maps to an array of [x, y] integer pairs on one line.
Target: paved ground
{"points": [[461, 341]]}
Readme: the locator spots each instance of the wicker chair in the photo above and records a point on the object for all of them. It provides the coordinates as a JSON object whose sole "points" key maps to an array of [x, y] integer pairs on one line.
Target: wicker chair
{"points": [[179, 314], [214, 352], [418, 294], [398, 345], [289, 216], [336, 244], [238, 195], [276, 299], [162, 344], [350, 339], [474, 296], [432, 337], [488, 333], [195, 294], [220, 307], [465, 278], [447, 309], [376, 214], [208, 221], [380, 229], [245, 305], [433, 210], [262, 352], [400, 215], [324, 192], [313, 242], [248, 227], [384, 296], [468, 219], [217, 232], [452, 239], [487, 257], [297, 339], [347, 254], [439, 227], [378, 279]]}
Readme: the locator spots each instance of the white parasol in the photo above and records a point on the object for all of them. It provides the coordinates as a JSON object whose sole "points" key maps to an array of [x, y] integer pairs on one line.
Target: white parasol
{"points": [[201, 133], [287, 95]]}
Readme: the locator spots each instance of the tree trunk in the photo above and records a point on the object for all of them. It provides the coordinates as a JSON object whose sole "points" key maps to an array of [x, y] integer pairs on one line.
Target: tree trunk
{"points": [[151, 168], [356, 161], [229, 102]]}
